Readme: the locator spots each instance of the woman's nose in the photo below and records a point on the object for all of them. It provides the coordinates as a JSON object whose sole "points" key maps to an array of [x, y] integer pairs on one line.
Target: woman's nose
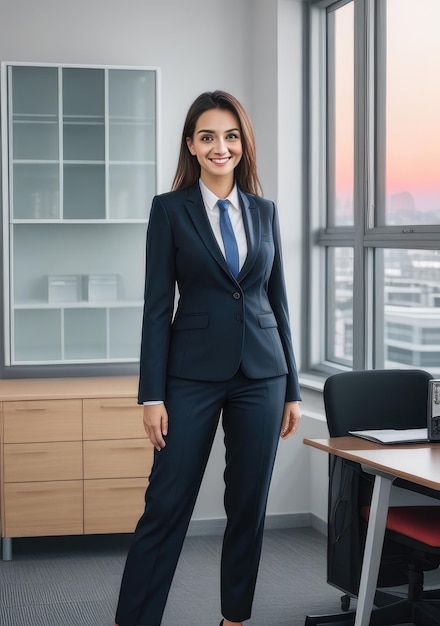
{"points": [[220, 146]]}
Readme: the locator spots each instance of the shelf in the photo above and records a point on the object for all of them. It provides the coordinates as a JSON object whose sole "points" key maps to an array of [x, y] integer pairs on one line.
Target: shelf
{"points": [[74, 221], [116, 304], [84, 119], [82, 162], [35, 161], [35, 118], [81, 173], [36, 362], [72, 334], [136, 121]]}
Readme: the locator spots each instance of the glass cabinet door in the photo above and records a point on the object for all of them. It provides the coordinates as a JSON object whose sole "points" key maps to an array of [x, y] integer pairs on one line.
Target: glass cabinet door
{"points": [[34, 143], [79, 162], [83, 145], [132, 141]]}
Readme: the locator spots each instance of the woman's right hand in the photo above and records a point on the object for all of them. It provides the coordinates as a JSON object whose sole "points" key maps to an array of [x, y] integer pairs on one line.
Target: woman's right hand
{"points": [[156, 424]]}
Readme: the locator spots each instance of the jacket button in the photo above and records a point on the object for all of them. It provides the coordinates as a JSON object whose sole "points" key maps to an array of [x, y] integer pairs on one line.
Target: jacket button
{"points": [[236, 295]]}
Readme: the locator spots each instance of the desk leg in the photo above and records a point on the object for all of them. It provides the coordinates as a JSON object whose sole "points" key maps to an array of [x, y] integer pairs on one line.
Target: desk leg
{"points": [[6, 549], [373, 547]]}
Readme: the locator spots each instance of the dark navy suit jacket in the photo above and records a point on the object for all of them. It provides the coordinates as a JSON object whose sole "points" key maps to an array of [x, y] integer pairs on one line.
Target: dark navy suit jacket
{"points": [[220, 323]]}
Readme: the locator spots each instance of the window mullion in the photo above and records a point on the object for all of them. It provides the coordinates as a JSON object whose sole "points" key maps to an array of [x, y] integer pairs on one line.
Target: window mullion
{"points": [[364, 181], [381, 107], [331, 119]]}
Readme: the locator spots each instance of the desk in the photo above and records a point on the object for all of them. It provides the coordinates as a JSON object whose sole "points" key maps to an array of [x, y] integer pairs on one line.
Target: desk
{"points": [[416, 463]]}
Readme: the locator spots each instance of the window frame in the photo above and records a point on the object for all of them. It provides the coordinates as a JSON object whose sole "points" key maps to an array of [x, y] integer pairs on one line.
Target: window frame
{"points": [[365, 237]]}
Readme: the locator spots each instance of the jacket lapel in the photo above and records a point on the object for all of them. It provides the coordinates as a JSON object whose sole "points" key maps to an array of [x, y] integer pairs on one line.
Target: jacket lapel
{"points": [[251, 220], [197, 213]]}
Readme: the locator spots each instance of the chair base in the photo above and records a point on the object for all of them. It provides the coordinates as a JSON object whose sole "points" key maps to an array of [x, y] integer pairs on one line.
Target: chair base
{"points": [[419, 613], [339, 619], [427, 613]]}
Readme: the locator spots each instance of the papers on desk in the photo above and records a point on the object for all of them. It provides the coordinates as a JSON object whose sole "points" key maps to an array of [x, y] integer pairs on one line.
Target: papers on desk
{"points": [[391, 435]]}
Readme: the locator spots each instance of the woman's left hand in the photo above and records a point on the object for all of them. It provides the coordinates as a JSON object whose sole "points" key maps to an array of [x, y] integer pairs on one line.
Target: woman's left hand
{"points": [[291, 419]]}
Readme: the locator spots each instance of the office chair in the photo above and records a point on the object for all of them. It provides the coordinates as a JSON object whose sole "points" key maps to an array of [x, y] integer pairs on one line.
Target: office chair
{"points": [[366, 400]]}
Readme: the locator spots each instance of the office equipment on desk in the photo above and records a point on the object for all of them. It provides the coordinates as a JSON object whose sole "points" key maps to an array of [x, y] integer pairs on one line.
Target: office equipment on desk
{"points": [[360, 475], [434, 410], [411, 435], [393, 435]]}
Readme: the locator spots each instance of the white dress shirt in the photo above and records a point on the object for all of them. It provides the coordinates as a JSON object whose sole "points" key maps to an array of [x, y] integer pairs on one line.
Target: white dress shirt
{"points": [[234, 211], [213, 213]]}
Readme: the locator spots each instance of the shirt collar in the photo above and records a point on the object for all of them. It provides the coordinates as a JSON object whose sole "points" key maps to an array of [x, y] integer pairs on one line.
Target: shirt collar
{"points": [[210, 199]]}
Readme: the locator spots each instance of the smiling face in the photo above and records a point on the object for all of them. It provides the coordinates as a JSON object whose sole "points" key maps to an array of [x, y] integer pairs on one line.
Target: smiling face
{"points": [[216, 144]]}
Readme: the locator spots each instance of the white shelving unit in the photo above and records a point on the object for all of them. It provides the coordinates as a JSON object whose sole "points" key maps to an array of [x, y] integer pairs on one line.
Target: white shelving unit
{"points": [[79, 146]]}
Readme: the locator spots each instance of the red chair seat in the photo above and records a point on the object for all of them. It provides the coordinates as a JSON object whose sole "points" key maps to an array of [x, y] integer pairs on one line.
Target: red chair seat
{"points": [[421, 523]]}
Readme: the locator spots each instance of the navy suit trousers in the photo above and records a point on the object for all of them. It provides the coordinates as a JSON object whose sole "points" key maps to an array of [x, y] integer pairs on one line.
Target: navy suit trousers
{"points": [[251, 412]]}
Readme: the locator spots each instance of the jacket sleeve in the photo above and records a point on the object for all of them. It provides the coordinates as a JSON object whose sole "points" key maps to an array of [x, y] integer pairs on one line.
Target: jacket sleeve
{"points": [[278, 301], [158, 305]]}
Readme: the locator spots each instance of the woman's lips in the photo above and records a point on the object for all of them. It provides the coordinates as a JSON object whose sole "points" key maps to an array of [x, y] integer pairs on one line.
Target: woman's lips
{"points": [[220, 161]]}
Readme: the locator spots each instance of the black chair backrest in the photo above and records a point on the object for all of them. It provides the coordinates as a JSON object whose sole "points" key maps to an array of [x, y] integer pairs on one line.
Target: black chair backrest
{"points": [[368, 399]]}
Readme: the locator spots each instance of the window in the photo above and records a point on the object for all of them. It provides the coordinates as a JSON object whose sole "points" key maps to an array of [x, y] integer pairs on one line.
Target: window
{"points": [[374, 188], [340, 116], [340, 304]]}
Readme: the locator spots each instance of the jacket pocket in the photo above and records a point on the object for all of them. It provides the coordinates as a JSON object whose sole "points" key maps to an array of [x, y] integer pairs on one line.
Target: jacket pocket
{"points": [[191, 321], [267, 320]]}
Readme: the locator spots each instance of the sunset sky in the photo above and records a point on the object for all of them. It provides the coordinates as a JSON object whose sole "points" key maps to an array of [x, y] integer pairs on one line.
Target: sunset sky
{"points": [[412, 100]]}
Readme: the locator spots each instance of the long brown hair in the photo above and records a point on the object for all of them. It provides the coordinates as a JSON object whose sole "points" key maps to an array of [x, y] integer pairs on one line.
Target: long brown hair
{"points": [[188, 168]]}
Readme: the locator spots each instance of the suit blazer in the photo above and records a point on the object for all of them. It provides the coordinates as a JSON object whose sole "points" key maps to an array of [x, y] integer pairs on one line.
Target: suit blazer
{"points": [[220, 323]]}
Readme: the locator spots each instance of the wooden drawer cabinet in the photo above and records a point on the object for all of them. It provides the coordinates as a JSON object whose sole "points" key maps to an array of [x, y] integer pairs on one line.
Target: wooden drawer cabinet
{"points": [[117, 458], [113, 505], [43, 461], [117, 461], [112, 418], [74, 457], [43, 508], [47, 420]]}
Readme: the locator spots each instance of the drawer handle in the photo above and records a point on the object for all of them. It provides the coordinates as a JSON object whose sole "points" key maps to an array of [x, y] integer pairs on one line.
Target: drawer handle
{"points": [[32, 408], [27, 453], [119, 406], [34, 493], [127, 488], [128, 448]]}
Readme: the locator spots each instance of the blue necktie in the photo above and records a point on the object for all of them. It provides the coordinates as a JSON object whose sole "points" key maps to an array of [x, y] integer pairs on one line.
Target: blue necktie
{"points": [[229, 241]]}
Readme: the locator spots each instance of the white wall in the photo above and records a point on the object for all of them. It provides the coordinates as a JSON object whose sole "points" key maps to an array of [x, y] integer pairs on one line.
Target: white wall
{"points": [[197, 44], [252, 48]]}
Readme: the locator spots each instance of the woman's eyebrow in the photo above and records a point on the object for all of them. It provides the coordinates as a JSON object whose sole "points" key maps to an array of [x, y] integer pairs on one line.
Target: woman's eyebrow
{"points": [[206, 130]]}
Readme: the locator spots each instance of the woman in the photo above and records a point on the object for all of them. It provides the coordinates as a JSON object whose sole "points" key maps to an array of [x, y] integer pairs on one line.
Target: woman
{"points": [[227, 351]]}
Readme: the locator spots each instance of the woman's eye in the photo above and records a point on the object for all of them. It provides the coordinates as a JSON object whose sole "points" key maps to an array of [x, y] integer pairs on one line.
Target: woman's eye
{"points": [[206, 138], [233, 136]]}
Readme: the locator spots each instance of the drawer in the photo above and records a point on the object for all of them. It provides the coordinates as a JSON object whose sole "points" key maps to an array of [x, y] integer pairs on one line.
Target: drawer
{"points": [[42, 420], [46, 508], [113, 506], [29, 462], [126, 458], [113, 418]]}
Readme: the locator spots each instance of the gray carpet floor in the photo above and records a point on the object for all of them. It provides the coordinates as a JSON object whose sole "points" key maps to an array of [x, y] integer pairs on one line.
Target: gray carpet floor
{"points": [[74, 581]]}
